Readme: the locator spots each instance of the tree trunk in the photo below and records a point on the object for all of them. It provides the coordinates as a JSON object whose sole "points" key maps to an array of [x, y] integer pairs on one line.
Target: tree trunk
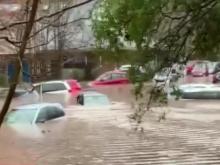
{"points": [[20, 55]]}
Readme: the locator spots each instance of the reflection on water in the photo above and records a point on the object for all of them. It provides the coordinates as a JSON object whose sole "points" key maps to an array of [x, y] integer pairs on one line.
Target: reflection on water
{"points": [[27, 130]]}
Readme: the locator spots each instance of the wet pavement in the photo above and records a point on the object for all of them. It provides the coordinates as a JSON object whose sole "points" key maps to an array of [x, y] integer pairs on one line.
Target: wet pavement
{"points": [[189, 135]]}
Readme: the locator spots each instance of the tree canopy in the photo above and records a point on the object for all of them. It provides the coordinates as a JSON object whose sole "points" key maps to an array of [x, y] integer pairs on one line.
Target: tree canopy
{"points": [[183, 28], [162, 31]]}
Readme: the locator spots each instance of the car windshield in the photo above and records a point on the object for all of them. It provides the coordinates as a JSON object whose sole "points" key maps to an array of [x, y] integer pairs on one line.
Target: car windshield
{"points": [[21, 116], [50, 87], [96, 101]]}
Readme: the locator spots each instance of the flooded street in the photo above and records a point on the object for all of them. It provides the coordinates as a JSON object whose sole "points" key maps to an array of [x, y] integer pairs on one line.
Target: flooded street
{"points": [[190, 135]]}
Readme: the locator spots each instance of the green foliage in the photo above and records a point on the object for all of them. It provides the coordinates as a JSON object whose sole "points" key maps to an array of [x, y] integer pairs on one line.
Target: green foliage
{"points": [[181, 27], [163, 31]]}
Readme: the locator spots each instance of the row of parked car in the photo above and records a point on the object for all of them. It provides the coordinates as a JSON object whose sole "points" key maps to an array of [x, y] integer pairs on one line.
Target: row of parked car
{"points": [[194, 69], [42, 112], [204, 68]]}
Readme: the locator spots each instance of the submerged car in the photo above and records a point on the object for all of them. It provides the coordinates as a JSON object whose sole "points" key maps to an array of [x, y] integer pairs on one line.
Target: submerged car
{"points": [[35, 113], [199, 91], [60, 86], [111, 78], [93, 99]]}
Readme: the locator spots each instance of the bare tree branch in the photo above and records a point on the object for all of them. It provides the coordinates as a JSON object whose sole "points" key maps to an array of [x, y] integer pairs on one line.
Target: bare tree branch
{"points": [[12, 42], [20, 55], [47, 16]]}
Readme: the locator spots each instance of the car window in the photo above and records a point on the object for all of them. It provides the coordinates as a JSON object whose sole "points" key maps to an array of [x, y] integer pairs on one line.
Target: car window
{"points": [[21, 116], [53, 87], [49, 113], [42, 116], [116, 76], [105, 77]]}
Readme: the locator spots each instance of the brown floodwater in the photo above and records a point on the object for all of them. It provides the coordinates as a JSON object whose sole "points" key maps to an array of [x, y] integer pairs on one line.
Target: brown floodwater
{"points": [[68, 141], [44, 144]]}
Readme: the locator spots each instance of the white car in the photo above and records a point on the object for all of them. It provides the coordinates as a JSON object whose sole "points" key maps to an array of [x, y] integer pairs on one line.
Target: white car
{"points": [[35, 113], [200, 91], [60, 86], [125, 67]]}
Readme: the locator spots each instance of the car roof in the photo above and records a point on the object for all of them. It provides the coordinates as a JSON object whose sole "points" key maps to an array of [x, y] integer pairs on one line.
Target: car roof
{"points": [[55, 81], [37, 106], [116, 71], [92, 93], [122, 66]]}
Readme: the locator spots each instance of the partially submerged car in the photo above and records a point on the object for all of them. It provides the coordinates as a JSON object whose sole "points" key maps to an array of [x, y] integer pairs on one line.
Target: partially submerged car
{"points": [[59, 86], [199, 91], [35, 113], [93, 99], [111, 78]]}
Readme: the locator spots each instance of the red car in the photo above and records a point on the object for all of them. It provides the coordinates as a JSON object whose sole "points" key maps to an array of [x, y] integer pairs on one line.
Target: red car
{"points": [[191, 64], [189, 67], [111, 78], [200, 69]]}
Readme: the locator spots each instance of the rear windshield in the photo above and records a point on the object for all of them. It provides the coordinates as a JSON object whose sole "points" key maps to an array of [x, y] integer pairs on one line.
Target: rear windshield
{"points": [[53, 87]]}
